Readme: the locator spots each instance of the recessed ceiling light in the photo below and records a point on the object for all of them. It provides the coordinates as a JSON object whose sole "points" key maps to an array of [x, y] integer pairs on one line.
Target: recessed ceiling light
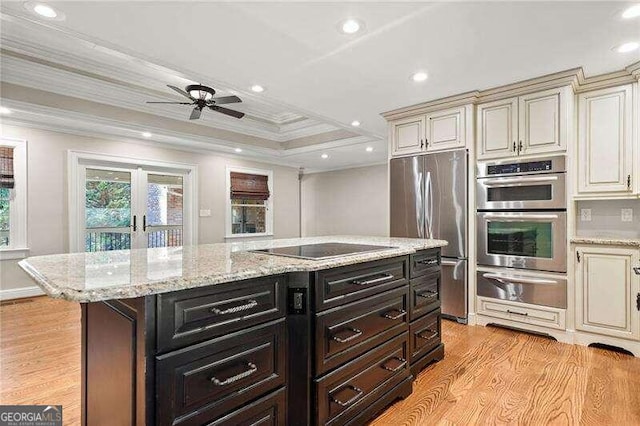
{"points": [[324, 156], [632, 12], [355, 123], [5, 110], [238, 150], [350, 26], [146, 134], [627, 47], [44, 10], [419, 76], [369, 149], [257, 88]]}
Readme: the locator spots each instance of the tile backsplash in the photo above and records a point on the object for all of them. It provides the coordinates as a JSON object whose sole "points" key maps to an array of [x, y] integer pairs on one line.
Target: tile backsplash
{"points": [[606, 219]]}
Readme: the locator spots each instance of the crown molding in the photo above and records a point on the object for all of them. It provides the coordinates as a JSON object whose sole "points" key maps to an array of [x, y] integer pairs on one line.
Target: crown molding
{"points": [[435, 105], [573, 77]]}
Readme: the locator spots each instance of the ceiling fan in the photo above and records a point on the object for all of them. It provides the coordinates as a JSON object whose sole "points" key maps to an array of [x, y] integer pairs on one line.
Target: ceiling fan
{"points": [[201, 97]]}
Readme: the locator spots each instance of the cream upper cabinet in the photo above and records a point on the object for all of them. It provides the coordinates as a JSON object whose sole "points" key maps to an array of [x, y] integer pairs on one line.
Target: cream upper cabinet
{"points": [[606, 291], [605, 144], [497, 128], [543, 122], [445, 129], [535, 123], [407, 136]]}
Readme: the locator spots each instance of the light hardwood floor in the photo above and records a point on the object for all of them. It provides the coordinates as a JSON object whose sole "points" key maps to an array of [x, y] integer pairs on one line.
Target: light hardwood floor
{"points": [[488, 376]]}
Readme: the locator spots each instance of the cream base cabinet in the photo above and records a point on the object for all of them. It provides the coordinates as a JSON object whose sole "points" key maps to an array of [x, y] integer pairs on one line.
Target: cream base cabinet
{"points": [[407, 136], [605, 144], [445, 129], [606, 291]]}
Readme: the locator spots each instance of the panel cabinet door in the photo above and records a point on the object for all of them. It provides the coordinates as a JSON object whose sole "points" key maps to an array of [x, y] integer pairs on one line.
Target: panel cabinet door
{"points": [[407, 136], [605, 146], [606, 289], [498, 128], [445, 129], [543, 121]]}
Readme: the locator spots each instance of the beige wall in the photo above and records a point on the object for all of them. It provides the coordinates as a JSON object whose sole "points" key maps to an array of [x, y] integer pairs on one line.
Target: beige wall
{"points": [[346, 202], [47, 190]]}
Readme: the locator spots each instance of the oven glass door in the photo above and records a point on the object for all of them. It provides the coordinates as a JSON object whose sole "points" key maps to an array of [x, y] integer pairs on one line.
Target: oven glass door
{"points": [[527, 240], [522, 192]]}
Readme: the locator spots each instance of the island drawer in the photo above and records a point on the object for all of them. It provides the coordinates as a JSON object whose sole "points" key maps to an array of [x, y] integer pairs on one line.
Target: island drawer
{"points": [[425, 295], [345, 284], [424, 335], [424, 262], [190, 316], [348, 331], [267, 411], [343, 393], [212, 378]]}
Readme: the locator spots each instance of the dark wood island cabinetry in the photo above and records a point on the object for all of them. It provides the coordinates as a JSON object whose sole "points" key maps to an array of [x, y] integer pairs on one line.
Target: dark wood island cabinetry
{"points": [[323, 346]]}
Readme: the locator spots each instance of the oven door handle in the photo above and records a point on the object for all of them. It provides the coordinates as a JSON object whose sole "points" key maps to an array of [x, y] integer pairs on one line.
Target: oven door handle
{"points": [[522, 217], [503, 278], [523, 181]]}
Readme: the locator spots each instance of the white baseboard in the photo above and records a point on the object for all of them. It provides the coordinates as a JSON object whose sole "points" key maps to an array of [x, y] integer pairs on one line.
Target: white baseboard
{"points": [[19, 293]]}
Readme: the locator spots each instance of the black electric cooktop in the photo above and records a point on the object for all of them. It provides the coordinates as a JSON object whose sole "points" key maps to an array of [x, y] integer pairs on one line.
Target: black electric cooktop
{"points": [[321, 251]]}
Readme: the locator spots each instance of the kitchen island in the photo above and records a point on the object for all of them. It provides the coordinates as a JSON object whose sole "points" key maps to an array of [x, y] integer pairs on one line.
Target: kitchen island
{"points": [[219, 334]]}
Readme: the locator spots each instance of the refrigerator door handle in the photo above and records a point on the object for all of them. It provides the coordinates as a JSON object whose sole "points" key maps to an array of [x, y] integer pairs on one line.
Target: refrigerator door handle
{"points": [[419, 205], [428, 208]]}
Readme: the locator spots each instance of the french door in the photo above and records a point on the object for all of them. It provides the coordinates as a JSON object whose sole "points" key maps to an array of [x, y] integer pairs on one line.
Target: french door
{"points": [[132, 207]]}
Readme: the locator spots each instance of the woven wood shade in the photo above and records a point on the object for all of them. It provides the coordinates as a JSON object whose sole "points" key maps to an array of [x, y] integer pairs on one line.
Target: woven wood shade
{"points": [[7, 179], [249, 187]]}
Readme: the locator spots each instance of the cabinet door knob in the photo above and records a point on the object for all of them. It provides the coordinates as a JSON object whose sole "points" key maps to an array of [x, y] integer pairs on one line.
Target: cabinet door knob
{"points": [[520, 147], [514, 146], [421, 143], [628, 181]]}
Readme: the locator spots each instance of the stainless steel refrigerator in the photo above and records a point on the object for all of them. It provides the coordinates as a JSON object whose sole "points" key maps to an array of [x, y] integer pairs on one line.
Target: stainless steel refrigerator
{"points": [[429, 200]]}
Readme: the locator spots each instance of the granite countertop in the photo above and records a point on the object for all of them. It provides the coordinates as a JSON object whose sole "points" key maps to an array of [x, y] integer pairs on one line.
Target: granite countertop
{"points": [[609, 241], [91, 277]]}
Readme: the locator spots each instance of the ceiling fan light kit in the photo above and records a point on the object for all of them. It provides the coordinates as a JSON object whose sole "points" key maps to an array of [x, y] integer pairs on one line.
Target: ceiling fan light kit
{"points": [[202, 97]]}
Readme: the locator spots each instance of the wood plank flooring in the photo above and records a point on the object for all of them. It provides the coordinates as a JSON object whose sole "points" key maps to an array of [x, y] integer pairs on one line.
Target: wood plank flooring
{"points": [[489, 375]]}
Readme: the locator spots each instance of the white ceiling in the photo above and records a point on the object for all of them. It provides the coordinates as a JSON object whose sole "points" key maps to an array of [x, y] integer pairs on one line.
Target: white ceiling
{"points": [[312, 70]]}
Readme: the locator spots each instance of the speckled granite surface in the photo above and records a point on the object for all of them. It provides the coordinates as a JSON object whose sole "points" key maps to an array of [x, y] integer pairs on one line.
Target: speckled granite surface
{"points": [[609, 241], [90, 277]]}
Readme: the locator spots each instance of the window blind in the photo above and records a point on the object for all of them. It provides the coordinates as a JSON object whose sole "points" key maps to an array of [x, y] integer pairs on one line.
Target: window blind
{"points": [[248, 186], [7, 179]]}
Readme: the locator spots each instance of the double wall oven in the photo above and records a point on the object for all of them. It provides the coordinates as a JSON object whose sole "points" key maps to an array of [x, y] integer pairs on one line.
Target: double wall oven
{"points": [[522, 230]]}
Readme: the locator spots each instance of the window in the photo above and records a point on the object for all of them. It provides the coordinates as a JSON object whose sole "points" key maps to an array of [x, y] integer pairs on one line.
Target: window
{"points": [[249, 195], [13, 199]]}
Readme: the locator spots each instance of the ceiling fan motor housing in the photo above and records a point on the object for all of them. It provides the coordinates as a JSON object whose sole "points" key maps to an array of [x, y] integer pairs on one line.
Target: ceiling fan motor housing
{"points": [[198, 91]]}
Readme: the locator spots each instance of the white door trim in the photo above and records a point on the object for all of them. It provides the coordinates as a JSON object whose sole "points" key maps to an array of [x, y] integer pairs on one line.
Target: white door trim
{"points": [[74, 159]]}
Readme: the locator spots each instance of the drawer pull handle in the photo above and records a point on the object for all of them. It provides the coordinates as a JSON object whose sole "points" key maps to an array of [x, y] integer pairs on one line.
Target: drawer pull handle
{"points": [[428, 262], [356, 333], [429, 294], [401, 313], [384, 277], [524, 314], [359, 393], [422, 336], [403, 362], [252, 369], [249, 305]]}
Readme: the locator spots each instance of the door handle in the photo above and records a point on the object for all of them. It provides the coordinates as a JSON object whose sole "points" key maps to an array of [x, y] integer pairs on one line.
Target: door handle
{"points": [[135, 224], [144, 223], [520, 218], [400, 366], [427, 261], [500, 182], [520, 147], [250, 304], [384, 277], [252, 369], [521, 280], [429, 294], [636, 269], [356, 333], [524, 314], [401, 313], [359, 393], [422, 336], [514, 146]]}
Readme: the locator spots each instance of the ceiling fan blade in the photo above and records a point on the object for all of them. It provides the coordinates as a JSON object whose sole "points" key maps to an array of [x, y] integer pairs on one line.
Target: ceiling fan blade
{"points": [[226, 100], [182, 92], [227, 111], [177, 103], [195, 114]]}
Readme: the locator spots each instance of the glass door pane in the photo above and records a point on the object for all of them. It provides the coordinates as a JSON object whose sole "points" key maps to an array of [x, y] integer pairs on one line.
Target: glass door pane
{"points": [[521, 238], [107, 208], [165, 210]]}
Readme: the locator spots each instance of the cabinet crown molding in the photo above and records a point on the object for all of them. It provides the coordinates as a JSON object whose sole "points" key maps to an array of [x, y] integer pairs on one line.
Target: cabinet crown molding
{"points": [[573, 77]]}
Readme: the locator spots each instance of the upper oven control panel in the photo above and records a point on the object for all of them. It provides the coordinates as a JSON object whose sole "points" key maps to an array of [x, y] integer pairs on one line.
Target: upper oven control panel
{"points": [[532, 166]]}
